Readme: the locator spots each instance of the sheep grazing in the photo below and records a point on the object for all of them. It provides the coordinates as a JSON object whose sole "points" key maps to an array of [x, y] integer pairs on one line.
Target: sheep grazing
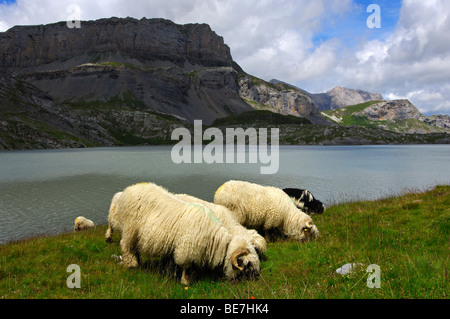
{"points": [[82, 223], [113, 222], [227, 218], [267, 209], [305, 201], [156, 223]]}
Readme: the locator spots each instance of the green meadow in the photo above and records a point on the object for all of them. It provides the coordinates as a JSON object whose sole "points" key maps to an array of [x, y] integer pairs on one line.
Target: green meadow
{"points": [[407, 236]]}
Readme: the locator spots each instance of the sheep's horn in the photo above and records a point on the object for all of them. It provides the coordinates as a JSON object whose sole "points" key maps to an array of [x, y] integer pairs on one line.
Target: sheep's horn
{"points": [[309, 224], [238, 253]]}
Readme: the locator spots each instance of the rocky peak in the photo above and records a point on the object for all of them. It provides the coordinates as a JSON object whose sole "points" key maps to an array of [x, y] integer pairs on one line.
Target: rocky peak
{"points": [[340, 97], [395, 110]]}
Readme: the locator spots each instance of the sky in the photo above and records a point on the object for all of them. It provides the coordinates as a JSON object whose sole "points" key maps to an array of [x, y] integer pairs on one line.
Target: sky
{"points": [[312, 44]]}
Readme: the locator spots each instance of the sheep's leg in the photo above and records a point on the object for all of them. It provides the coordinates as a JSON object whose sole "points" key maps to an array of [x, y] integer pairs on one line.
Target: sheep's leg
{"points": [[185, 277], [129, 256], [108, 234]]}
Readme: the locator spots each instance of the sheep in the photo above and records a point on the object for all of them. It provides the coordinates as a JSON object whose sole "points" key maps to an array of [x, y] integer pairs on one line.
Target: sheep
{"points": [[113, 222], [267, 209], [156, 223], [227, 218], [305, 201], [82, 223]]}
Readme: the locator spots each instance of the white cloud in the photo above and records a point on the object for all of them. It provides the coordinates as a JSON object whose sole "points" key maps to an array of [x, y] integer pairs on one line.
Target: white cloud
{"points": [[413, 62]]}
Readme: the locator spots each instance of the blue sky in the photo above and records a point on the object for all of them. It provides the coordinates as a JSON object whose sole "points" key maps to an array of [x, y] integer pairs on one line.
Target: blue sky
{"points": [[315, 45], [354, 21]]}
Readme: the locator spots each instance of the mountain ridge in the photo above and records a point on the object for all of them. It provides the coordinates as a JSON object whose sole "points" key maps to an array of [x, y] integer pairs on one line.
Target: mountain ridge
{"points": [[123, 81]]}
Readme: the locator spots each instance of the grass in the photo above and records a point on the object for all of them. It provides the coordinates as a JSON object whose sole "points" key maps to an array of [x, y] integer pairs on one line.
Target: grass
{"points": [[407, 236], [347, 117], [260, 117]]}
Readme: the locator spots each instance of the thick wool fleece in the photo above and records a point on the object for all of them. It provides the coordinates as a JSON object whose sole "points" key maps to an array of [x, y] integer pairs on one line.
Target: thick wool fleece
{"points": [[82, 223], [228, 220], [156, 223], [265, 207]]}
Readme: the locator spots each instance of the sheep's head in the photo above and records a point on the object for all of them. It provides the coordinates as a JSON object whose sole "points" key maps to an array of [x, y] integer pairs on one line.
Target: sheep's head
{"points": [[242, 260], [300, 227], [77, 222], [305, 201]]}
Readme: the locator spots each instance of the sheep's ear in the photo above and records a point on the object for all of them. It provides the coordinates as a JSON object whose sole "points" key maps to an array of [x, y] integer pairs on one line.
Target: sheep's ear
{"points": [[240, 252]]}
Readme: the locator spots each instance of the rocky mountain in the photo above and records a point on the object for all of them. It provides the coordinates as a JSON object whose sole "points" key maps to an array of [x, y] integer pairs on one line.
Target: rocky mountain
{"points": [[154, 65], [32, 119], [395, 110], [279, 97], [341, 97], [150, 42], [442, 121], [396, 115], [123, 81]]}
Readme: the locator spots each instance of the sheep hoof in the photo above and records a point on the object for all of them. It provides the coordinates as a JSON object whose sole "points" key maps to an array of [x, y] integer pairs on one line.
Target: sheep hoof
{"points": [[185, 278]]}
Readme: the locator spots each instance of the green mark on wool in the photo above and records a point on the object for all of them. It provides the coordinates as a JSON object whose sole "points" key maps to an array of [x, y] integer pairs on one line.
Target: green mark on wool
{"points": [[207, 211]]}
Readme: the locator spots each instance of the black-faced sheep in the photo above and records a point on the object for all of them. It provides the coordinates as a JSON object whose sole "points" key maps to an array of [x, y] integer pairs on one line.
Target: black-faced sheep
{"points": [[82, 223], [227, 218], [305, 201], [265, 208], [113, 222], [154, 222]]}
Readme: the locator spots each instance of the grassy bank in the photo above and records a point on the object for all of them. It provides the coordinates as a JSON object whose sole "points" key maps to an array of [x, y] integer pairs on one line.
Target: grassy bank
{"points": [[407, 236]]}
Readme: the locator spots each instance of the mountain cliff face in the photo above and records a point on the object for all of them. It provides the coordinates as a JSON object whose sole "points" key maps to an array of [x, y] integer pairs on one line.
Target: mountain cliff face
{"points": [[279, 97], [145, 42], [341, 97], [395, 110], [151, 65], [127, 81]]}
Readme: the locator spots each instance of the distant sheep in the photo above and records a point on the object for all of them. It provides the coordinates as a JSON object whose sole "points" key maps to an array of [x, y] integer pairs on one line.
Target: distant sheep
{"points": [[265, 208], [154, 222], [305, 201], [227, 218], [82, 223], [113, 222]]}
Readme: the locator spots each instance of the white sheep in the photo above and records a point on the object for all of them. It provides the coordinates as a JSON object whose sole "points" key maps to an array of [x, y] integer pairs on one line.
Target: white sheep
{"points": [[154, 222], [266, 209], [82, 223], [113, 222], [227, 218]]}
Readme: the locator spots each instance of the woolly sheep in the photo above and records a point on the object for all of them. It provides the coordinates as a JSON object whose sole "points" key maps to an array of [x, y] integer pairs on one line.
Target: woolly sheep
{"points": [[82, 223], [227, 218], [266, 209], [305, 201], [113, 222], [156, 223]]}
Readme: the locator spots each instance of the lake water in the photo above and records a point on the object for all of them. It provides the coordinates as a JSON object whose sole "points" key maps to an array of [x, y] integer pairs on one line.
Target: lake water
{"points": [[42, 192]]}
